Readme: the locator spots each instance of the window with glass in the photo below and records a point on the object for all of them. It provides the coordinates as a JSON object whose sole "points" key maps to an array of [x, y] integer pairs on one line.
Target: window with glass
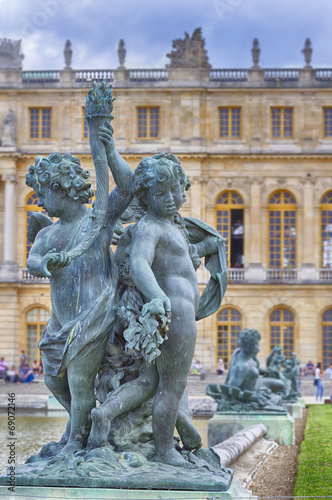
{"points": [[36, 320], [282, 230], [327, 338], [85, 127], [327, 123], [230, 123], [282, 328], [326, 230], [40, 123], [229, 223], [148, 123], [282, 123], [229, 326]]}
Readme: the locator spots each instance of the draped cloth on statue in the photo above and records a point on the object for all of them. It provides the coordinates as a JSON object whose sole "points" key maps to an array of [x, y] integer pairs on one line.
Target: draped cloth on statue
{"points": [[84, 328], [211, 298]]}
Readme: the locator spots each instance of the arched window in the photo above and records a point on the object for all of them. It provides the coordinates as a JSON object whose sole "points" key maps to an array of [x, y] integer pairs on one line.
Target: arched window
{"points": [[31, 206], [282, 230], [229, 326], [327, 338], [282, 328], [229, 223], [326, 230], [36, 320]]}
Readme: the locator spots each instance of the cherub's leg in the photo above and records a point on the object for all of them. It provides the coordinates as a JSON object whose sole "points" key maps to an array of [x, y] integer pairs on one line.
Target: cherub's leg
{"points": [[81, 376], [189, 435], [123, 399], [173, 366]]}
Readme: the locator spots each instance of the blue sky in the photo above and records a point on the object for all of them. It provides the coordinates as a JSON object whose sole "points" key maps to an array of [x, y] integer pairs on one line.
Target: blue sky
{"points": [[149, 26]]}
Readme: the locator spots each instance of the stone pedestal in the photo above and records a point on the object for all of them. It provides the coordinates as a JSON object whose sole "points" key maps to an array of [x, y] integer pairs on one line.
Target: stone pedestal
{"points": [[236, 491], [280, 428], [301, 402], [294, 409]]}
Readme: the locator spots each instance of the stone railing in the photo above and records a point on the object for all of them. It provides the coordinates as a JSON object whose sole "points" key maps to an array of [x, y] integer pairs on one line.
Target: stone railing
{"points": [[40, 76], [325, 274], [27, 277], [228, 75], [323, 75], [90, 75], [281, 274], [282, 75], [148, 75], [235, 274]]}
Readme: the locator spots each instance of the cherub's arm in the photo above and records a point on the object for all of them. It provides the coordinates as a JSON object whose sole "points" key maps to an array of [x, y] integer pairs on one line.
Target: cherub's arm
{"points": [[142, 252], [207, 246], [36, 255]]}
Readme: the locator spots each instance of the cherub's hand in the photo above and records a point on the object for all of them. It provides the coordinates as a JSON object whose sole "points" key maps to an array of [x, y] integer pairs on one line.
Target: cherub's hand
{"points": [[211, 244], [53, 261], [161, 305], [106, 136]]}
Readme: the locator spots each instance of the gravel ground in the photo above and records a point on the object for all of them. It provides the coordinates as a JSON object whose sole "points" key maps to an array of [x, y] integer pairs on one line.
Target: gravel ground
{"points": [[276, 477]]}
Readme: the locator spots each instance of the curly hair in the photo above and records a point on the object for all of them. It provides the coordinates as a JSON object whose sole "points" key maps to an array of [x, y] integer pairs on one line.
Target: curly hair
{"points": [[247, 337], [161, 167], [60, 173]]}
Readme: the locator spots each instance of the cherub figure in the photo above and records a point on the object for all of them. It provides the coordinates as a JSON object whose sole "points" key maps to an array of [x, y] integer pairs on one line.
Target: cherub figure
{"points": [[75, 253], [162, 263]]}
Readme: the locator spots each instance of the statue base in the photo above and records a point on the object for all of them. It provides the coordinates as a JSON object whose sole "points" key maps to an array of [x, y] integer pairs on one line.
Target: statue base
{"points": [[236, 491], [301, 402], [280, 428], [294, 409]]}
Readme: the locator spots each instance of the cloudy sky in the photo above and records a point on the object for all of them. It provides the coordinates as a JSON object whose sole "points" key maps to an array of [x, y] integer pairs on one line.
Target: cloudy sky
{"points": [[149, 26]]}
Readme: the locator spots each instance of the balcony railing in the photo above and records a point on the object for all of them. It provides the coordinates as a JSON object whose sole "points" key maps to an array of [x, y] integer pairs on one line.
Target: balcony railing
{"points": [[40, 76], [325, 274], [148, 75], [228, 75], [235, 274], [281, 274], [27, 277], [323, 75], [282, 75], [91, 75]]}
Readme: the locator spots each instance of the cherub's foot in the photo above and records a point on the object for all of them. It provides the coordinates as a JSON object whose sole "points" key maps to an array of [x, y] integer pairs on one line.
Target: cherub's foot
{"points": [[71, 448], [189, 435], [100, 428], [173, 457]]}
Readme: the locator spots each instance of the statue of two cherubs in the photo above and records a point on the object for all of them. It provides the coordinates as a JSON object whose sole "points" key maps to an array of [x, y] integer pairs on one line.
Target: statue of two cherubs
{"points": [[138, 306]]}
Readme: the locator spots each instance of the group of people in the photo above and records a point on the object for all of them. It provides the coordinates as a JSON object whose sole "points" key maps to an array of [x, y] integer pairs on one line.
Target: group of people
{"points": [[318, 380], [24, 373]]}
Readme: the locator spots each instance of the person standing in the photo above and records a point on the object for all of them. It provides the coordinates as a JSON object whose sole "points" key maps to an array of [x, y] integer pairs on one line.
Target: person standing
{"points": [[319, 382]]}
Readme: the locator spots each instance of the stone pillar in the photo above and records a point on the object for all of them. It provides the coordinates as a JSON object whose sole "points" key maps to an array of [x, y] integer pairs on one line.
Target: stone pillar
{"points": [[8, 270], [254, 271], [306, 227]]}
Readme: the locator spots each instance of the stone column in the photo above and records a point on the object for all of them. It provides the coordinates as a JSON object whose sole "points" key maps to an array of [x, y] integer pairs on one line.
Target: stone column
{"points": [[254, 271], [8, 270], [306, 252]]}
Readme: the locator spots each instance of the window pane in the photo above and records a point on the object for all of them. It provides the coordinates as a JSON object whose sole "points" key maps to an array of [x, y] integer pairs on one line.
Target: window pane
{"points": [[327, 117]]}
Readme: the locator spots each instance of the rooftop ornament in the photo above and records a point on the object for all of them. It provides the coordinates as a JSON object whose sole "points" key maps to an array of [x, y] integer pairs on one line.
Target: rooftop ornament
{"points": [[307, 52]]}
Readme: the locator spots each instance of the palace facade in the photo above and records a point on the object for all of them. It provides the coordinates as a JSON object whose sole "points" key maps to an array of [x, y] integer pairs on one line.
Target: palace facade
{"points": [[256, 145]]}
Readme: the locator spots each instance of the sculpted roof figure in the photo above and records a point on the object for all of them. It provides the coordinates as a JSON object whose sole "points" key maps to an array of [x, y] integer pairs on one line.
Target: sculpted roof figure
{"points": [[189, 52]]}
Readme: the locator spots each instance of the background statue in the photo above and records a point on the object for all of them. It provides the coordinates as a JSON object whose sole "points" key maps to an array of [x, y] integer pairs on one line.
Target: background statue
{"points": [[8, 137], [189, 52], [243, 390]]}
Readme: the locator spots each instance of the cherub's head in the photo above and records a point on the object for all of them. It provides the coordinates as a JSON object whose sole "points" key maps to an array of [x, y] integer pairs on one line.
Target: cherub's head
{"points": [[61, 174], [249, 341], [160, 184]]}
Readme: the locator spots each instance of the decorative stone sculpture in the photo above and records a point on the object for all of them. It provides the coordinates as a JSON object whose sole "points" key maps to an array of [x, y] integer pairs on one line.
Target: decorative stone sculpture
{"points": [[243, 391], [8, 138], [68, 53], [10, 54], [286, 371], [122, 53], [131, 317], [307, 52], [189, 52], [255, 51]]}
